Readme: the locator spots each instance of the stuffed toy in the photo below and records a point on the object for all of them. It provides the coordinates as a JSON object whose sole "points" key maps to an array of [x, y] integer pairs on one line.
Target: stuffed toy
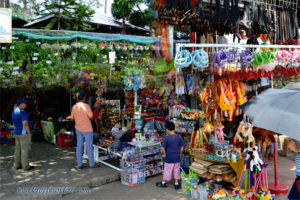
{"points": [[255, 160], [220, 133], [244, 134]]}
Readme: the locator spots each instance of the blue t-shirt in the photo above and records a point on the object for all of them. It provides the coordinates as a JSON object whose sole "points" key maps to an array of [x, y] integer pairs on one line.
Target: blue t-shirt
{"points": [[297, 163], [172, 144], [18, 116]]}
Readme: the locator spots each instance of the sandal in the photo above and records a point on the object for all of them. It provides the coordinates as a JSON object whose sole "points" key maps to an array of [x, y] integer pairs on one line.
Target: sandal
{"points": [[160, 184]]}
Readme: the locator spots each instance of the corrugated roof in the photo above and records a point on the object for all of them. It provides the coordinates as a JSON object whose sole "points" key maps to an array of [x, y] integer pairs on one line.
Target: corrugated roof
{"points": [[98, 18]]}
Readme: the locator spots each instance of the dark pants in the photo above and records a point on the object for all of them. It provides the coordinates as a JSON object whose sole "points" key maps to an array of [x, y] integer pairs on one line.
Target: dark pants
{"points": [[294, 193]]}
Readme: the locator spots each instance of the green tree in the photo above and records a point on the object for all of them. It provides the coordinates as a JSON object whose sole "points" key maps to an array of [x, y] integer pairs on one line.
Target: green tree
{"points": [[122, 9], [141, 18], [69, 14], [130, 10]]}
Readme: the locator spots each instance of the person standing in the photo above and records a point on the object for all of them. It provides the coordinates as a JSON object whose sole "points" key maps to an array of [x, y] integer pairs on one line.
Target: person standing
{"points": [[172, 148], [82, 115], [294, 194], [22, 135]]}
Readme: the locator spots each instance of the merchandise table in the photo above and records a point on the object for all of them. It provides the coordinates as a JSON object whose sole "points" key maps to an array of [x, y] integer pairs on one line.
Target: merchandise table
{"points": [[101, 159], [237, 167]]}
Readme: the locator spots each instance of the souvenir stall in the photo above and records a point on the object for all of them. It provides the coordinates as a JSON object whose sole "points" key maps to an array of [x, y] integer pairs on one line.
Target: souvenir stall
{"points": [[213, 158]]}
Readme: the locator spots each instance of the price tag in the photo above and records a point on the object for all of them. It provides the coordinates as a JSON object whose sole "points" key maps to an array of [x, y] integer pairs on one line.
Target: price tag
{"points": [[1, 69], [12, 47], [13, 85], [84, 47], [16, 68], [56, 54], [10, 63], [45, 75], [15, 73], [36, 54], [48, 61], [3, 48], [4, 86], [74, 57], [5, 80], [113, 68], [27, 40], [38, 43], [34, 58]]}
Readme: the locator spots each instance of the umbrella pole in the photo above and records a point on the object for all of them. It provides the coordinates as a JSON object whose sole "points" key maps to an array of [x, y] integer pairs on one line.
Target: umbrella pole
{"points": [[275, 163], [277, 188]]}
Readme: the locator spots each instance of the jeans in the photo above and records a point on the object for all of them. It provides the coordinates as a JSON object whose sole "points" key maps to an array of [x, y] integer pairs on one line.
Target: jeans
{"points": [[88, 138], [21, 151]]}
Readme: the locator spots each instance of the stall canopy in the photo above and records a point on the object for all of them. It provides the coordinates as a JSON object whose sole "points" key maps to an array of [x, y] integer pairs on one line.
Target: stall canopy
{"points": [[69, 35]]}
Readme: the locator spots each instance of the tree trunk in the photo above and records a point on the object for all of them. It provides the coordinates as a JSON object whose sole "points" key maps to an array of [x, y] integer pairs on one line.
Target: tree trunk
{"points": [[25, 9], [32, 8], [105, 7], [7, 3], [124, 26], [59, 16]]}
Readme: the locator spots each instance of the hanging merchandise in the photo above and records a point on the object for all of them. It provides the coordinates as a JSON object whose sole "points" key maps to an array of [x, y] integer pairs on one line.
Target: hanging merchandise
{"points": [[221, 99], [134, 79], [196, 86], [200, 59], [180, 84], [183, 59]]}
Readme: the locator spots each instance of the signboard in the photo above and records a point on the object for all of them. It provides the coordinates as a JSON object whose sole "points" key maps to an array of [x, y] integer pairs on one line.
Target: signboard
{"points": [[5, 25], [112, 57]]}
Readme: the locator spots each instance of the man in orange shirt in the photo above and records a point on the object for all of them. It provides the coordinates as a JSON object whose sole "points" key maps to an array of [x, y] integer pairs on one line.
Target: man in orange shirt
{"points": [[82, 115]]}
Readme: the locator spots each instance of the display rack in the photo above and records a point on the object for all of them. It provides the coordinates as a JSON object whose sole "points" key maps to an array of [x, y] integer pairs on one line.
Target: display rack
{"points": [[111, 113], [101, 159], [152, 156]]}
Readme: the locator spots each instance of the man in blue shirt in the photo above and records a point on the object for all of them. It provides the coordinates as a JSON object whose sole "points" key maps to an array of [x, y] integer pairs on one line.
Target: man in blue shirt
{"points": [[172, 148], [22, 135]]}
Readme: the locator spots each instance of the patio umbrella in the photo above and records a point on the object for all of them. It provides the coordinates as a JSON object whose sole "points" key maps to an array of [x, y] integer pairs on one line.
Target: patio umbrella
{"points": [[277, 110]]}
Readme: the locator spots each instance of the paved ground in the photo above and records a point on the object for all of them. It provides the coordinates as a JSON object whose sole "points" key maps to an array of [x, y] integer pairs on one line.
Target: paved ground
{"points": [[55, 168]]}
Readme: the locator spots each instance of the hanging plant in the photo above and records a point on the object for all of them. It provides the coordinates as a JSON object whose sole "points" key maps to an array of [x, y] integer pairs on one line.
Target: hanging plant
{"points": [[45, 46], [65, 47], [56, 47], [76, 45]]}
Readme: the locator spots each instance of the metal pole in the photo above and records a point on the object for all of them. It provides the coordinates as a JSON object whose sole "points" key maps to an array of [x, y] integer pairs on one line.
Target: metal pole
{"points": [[275, 162], [189, 45]]}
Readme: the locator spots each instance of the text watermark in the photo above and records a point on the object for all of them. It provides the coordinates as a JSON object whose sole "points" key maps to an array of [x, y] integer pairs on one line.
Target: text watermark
{"points": [[52, 190]]}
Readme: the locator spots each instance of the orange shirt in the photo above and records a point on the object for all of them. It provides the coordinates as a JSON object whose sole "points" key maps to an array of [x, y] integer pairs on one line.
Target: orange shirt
{"points": [[82, 114]]}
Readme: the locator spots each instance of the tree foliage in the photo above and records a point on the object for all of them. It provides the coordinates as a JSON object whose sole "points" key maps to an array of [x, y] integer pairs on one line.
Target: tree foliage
{"points": [[129, 10], [69, 14]]}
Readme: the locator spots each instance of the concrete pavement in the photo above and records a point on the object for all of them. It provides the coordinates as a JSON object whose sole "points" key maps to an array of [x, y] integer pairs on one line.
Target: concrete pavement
{"points": [[55, 170]]}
